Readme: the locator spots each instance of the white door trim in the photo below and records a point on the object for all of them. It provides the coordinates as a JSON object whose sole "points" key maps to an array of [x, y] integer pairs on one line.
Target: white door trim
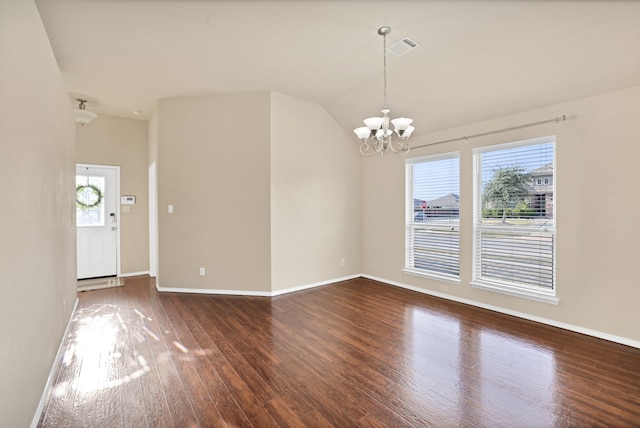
{"points": [[116, 168]]}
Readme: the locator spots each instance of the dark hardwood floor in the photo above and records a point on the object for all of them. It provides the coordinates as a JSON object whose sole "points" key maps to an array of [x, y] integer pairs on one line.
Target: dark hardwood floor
{"points": [[354, 354]]}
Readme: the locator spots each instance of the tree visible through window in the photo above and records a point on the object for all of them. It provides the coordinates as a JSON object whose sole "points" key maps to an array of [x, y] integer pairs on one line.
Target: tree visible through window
{"points": [[507, 189]]}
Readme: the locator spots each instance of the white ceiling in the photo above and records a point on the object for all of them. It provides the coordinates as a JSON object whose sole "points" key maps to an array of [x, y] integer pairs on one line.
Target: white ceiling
{"points": [[477, 59]]}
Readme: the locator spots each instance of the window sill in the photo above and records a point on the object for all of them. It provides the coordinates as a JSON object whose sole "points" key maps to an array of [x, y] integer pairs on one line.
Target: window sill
{"points": [[440, 277], [516, 291]]}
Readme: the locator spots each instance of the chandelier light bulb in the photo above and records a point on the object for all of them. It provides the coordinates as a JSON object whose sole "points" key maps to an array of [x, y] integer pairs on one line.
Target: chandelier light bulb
{"points": [[401, 123], [373, 123], [363, 132]]}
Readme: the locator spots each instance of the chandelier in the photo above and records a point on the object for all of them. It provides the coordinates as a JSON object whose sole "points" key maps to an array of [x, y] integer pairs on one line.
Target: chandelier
{"points": [[376, 136]]}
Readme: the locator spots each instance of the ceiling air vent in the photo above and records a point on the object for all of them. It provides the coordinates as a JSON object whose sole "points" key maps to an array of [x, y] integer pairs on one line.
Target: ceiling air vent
{"points": [[403, 46]]}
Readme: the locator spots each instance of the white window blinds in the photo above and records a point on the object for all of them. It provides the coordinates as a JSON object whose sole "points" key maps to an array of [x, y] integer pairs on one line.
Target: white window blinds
{"points": [[433, 213], [514, 220]]}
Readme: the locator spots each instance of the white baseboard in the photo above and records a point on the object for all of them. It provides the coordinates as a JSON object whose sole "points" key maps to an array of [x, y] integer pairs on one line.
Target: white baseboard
{"points": [[554, 323], [313, 285], [54, 370], [212, 291], [126, 275], [254, 293]]}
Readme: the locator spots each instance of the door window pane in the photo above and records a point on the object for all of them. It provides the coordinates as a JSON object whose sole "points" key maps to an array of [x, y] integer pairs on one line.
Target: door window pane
{"points": [[90, 207]]}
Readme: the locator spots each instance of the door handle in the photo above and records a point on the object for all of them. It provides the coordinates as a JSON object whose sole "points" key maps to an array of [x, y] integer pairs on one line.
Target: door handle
{"points": [[113, 228]]}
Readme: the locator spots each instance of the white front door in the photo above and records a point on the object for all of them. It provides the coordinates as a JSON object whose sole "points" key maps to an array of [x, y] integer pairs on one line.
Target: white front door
{"points": [[96, 220]]}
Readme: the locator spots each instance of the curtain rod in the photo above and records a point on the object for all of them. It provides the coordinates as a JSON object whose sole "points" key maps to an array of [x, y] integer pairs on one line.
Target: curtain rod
{"points": [[558, 120]]}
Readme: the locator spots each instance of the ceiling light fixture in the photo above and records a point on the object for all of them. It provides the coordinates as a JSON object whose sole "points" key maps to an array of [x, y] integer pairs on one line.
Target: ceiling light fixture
{"points": [[82, 115], [376, 137]]}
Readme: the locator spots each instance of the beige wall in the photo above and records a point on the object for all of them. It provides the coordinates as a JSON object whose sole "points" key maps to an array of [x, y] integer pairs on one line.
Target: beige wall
{"points": [[315, 196], [251, 205], [598, 237], [37, 247], [213, 167], [109, 140]]}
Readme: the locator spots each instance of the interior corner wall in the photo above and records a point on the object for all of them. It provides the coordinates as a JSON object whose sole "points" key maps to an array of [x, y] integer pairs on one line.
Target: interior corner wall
{"points": [[37, 248], [315, 196], [598, 236], [152, 135], [109, 140], [213, 169]]}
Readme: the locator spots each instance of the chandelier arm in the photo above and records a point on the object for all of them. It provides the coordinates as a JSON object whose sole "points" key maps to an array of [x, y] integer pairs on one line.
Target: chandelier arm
{"points": [[398, 145], [367, 147], [404, 149], [368, 155], [377, 145]]}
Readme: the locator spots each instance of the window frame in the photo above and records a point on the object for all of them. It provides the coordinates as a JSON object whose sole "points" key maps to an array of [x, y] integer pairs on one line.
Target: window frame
{"points": [[504, 287], [411, 225]]}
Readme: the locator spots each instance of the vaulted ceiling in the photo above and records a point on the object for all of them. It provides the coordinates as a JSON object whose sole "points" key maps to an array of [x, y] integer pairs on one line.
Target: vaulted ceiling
{"points": [[476, 59]]}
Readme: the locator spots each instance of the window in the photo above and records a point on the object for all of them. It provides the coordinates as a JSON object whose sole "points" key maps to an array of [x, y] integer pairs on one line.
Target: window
{"points": [[433, 213], [514, 221], [89, 201]]}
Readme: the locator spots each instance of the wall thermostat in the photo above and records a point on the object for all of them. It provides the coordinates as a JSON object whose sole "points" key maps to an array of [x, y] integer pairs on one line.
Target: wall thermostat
{"points": [[127, 200]]}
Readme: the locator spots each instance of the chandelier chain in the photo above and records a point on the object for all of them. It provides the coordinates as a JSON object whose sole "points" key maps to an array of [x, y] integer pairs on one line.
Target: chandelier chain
{"points": [[384, 67]]}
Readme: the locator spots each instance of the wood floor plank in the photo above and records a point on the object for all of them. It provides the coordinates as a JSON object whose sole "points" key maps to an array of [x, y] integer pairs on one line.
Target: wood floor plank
{"points": [[132, 368], [172, 381], [210, 361], [357, 353], [143, 368], [202, 377]]}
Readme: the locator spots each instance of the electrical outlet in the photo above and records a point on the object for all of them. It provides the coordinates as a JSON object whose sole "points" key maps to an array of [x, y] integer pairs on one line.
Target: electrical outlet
{"points": [[341, 262], [201, 271]]}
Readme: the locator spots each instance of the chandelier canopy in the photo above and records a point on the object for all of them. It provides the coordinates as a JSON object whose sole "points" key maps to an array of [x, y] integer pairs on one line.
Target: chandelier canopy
{"points": [[376, 136]]}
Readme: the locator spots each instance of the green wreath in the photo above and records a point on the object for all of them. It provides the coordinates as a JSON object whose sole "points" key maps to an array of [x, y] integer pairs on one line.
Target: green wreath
{"points": [[95, 190]]}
